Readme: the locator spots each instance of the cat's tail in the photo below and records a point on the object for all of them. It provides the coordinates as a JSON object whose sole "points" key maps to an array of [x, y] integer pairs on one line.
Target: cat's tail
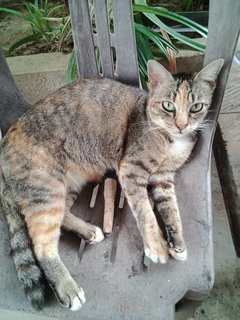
{"points": [[28, 271]]}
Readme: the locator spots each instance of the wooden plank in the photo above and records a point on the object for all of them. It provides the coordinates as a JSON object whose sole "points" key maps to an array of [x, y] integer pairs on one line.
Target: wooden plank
{"points": [[103, 38], [231, 101], [124, 37], [216, 49], [110, 190], [83, 39], [229, 188], [12, 104]]}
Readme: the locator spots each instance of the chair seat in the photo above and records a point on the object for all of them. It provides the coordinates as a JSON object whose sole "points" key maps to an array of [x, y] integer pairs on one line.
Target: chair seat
{"points": [[125, 288]]}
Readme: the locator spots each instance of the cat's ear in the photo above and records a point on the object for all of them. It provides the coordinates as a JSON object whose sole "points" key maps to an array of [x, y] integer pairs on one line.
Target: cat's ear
{"points": [[157, 74], [210, 72]]}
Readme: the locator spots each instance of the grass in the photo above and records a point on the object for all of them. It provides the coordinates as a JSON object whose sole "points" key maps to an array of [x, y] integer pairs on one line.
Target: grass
{"points": [[47, 23]]}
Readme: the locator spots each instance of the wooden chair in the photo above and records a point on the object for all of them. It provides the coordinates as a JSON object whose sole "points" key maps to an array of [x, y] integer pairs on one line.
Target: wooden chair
{"points": [[118, 285]]}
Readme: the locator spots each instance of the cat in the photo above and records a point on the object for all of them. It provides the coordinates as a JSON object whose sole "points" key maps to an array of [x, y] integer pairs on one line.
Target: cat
{"points": [[74, 136]]}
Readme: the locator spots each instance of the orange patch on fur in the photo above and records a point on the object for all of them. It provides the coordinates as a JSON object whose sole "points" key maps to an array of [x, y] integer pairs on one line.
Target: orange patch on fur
{"points": [[182, 95], [43, 232], [77, 176], [44, 212]]}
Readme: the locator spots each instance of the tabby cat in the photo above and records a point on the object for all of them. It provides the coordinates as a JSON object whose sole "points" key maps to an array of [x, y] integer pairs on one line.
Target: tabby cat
{"points": [[74, 136]]}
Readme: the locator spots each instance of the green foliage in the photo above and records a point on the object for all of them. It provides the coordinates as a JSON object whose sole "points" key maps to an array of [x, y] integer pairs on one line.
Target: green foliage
{"points": [[145, 36], [148, 39], [187, 4], [47, 24]]}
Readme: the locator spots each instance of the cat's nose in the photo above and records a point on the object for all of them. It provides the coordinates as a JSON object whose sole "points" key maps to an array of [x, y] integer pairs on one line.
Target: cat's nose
{"points": [[181, 122], [181, 126]]}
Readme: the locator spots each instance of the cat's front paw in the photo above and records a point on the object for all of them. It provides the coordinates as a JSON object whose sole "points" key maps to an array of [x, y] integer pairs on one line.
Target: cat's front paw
{"points": [[96, 235], [177, 247], [157, 252]]}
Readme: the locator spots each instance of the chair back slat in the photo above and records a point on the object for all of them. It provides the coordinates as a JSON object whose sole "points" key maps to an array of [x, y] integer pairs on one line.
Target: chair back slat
{"points": [[127, 67], [118, 58], [103, 37], [228, 30], [83, 39]]}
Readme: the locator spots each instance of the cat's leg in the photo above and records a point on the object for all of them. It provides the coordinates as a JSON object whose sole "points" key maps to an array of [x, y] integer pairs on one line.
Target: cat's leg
{"points": [[134, 182], [163, 194], [85, 230], [43, 221]]}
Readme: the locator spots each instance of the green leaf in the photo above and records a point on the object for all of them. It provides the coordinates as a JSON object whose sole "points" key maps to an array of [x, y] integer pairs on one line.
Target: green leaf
{"points": [[32, 37], [45, 7], [51, 12], [187, 4], [145, 9], [192, 43], [15, 12], [144, 53], [72, 68], [157, 38], [152, 37]]}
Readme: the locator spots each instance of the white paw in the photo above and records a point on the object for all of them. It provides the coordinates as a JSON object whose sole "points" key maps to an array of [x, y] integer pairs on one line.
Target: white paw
{"points": [[98, 236], [157, 256], [178, 255], [78, 301]]}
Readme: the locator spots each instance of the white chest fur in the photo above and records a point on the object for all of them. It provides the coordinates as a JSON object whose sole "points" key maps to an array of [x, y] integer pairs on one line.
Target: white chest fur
{"points": [[181, 145]]}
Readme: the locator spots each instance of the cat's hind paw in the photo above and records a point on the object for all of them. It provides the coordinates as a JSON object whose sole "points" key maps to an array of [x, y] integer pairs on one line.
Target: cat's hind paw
{"points": [[69, 294], [78, 301], [178, 253], [96, 235]]}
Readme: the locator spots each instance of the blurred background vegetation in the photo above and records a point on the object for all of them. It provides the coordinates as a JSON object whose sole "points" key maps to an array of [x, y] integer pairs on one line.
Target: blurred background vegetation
{"points": [[159, 26]]}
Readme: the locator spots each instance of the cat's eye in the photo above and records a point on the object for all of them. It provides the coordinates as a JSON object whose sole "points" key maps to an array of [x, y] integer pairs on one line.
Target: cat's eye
{"points": [[168, 106], [196, 108]]}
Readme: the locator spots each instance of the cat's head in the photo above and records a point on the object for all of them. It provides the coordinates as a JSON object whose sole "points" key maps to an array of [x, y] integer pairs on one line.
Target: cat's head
{"points": [[179, 103]]}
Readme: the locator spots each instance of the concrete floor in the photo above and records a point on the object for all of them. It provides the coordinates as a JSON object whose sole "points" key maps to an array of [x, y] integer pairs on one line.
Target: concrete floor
{"points": [[224, 300]]}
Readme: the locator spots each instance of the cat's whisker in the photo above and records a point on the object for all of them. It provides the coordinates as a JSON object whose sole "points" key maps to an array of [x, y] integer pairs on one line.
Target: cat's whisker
{"points": [[206, 123], [212, 111], [207, 120], [202, 128], [152, 129]]}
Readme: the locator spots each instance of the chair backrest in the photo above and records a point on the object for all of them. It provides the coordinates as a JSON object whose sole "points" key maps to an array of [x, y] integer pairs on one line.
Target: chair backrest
{"points": [[117, 44], [221, 43], [223, 35], [12, 104]]}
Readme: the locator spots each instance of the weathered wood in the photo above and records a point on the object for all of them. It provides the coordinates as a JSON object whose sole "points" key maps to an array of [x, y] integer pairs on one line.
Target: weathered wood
{"points": [[122, 282], [122, 39], [231, 101], [110, 189], [228, 185], [127, 67], [12, 104], [103, 37], [227, 155], [83, 39], [218, 49]]}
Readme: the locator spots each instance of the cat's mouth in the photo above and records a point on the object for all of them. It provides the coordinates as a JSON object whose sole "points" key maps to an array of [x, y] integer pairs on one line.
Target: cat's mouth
{"points": [[182, 133], [179, 134]]}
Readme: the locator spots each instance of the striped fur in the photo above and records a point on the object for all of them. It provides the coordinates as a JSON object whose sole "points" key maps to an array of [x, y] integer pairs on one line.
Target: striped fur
{"points": [[74, 136], [28, 270]]}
